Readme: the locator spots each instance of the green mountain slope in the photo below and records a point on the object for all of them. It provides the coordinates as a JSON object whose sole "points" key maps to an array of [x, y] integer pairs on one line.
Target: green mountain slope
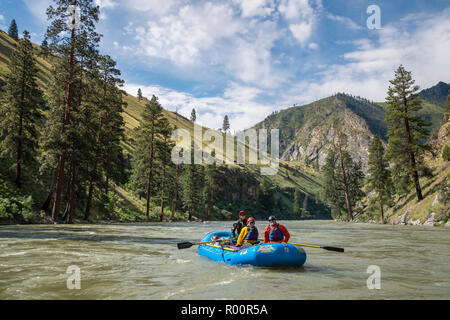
{"points": [[240, 186], [307, 131], [437, 94]]}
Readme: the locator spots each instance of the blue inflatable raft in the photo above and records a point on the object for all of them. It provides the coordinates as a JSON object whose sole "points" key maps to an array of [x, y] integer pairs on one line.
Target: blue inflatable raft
{"points": [[261, 255]]}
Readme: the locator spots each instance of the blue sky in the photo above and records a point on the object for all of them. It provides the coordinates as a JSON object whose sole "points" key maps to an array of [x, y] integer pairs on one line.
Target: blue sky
{"points": [[247, 58]]}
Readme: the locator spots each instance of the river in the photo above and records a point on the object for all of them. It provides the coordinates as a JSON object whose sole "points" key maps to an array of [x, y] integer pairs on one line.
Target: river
{"points": [[141, 261]]}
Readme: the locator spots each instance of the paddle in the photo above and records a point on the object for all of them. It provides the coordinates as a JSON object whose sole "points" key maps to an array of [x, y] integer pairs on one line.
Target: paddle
{"points": [[320, 247], [185, 245]]}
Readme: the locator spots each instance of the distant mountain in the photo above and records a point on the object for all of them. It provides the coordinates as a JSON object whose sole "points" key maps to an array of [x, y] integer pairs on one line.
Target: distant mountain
{"points": [[437, 94], [306, 132]]}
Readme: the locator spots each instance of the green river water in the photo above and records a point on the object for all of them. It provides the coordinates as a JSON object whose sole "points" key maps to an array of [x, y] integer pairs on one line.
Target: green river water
{"points": [[141, 261]]}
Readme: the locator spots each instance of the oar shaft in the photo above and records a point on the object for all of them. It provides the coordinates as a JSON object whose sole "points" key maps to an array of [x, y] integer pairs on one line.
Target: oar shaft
{"points": [[318, 247], [220, 240], [306, 245]]}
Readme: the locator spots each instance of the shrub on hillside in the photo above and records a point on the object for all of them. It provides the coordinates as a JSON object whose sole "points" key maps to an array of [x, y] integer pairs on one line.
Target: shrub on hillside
{"points": [[446, 153]]}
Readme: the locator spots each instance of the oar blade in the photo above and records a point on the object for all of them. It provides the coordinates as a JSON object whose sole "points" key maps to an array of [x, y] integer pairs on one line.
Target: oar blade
{"points": [[184, 245], [333, 249]]}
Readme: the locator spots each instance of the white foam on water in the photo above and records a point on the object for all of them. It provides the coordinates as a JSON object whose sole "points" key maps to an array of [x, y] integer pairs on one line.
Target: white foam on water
{"points": [[13, 254], [181, 261], [221, 283]]}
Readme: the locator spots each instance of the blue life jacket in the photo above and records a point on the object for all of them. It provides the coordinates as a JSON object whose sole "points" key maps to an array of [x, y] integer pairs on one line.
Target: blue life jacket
{"points": [[252, 234], [275, 234]]}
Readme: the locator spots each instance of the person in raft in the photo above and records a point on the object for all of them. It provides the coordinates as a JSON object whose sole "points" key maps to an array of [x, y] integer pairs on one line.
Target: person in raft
{"points": [[248, 235], [275, 232], [241, 223]]}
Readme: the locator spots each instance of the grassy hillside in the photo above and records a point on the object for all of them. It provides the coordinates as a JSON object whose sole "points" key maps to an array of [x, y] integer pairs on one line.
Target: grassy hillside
{"points": [[291, 176]]}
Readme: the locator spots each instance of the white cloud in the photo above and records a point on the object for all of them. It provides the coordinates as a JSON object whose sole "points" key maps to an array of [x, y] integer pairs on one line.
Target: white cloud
{"points": [[422, 49], [105, 4], [252, 8], [182, 37], [154, 7], [349, 23], [301, 31], [301, 17], [238, 102], [295, 9], [2, 18], [213, 35], [313, 46]]}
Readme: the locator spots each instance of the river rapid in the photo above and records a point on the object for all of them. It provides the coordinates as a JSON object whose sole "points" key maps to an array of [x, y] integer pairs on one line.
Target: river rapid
{"points": [[141, 261]]}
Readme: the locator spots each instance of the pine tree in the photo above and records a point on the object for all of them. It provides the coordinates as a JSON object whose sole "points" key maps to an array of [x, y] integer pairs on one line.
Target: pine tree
{"points": [[210, 185], [13, 31], [267, 196], [107, 103], [19, 110], [164, 147], [44, 50], [226, 124], [297, 203], [343, 178], [139, 94], [407, 131], [146, 136], [379, 179], [193, 115], [77, 47], [192, 185]]}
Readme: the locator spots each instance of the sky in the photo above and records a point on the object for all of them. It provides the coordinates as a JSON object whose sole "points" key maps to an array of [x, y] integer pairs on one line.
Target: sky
{"points": [[248, 58]]}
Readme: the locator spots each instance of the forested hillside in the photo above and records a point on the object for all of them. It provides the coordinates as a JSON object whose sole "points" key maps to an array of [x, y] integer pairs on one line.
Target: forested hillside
{"points": [[122, 196]]}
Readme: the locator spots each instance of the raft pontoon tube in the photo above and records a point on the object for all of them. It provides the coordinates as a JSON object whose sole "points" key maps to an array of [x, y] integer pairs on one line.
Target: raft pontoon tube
{"points": [[261, 255]]}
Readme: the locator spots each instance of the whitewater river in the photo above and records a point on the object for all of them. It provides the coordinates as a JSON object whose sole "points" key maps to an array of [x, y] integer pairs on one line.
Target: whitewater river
{"points": [[141, 261]]}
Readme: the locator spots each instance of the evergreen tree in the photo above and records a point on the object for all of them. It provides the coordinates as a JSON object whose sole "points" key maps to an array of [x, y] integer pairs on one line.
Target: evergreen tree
{"points": [[193, 115], [139, 94], [407, 131], [192, 185], [19, 110], [77, 47], [107, 103], [297, 203], [147, 134], [164, 147], [343, 179], [176, 186], [13, 31], [267, 196], [44, 50], [210, 185], [379, 179], [226, 124]]}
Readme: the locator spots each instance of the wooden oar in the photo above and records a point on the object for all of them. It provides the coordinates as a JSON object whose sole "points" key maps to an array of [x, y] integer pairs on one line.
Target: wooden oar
{"points": [[185, 245]]}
